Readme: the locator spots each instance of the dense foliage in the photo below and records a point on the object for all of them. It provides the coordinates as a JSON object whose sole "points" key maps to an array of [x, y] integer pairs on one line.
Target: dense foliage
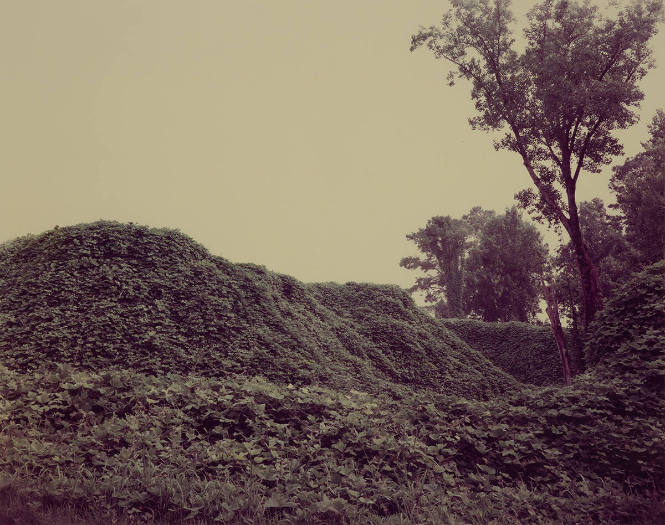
{"points": [[526, 351], [175, 443], [558, 100], [111, 294], [639, 184], [443, 244], [224, 450], [504, 270], [632, 325], [609, 250], [483, 264]]}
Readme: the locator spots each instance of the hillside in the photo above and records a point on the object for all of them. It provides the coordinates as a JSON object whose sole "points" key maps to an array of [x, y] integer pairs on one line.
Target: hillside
{"points": [[111, 410], [153, 300], [527, 352]]}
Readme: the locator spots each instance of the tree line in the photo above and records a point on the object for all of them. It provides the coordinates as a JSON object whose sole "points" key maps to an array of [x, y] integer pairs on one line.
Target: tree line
{"points": [[484, 265], [489, 266], [557, 104]]}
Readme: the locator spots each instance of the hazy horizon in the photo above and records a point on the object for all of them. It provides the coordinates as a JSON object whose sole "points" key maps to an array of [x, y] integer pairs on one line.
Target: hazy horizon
{"points": [[303, 136]]}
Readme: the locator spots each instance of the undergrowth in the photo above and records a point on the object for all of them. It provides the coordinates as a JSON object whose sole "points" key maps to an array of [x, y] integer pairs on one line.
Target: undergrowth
{"points": [[96, 430], [181, 447]]}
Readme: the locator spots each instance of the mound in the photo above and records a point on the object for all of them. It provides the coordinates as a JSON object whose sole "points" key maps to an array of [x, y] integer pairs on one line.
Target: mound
{"points": [[527, 352], [108, 294], [636, 310], [626, 341], [179, 447]]}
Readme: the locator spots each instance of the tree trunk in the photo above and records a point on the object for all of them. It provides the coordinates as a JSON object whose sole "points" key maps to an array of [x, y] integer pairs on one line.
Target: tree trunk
{"points": [[592, 299], [453, 287], [553, 314]]}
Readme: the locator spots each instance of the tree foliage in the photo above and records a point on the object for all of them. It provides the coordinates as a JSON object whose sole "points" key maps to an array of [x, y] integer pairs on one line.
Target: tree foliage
{"points": [[443, 242], [608, 249], [639, 184], [559, 100], [483, 264], [503, 270]]}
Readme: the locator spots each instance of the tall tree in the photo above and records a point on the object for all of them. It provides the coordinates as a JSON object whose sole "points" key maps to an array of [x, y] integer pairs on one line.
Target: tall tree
{"points": [[558, 100], [639, 184], [477, 219], [552, 310], [608, 250]]}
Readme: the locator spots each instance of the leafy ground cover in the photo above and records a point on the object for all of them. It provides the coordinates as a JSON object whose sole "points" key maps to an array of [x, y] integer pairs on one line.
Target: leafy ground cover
{"points": [[113, 444], [153, 300], [175, 448], [527, 352]]}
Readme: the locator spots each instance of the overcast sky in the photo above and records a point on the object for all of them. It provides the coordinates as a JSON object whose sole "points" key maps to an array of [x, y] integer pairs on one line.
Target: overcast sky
{"points": [[301, 135]]}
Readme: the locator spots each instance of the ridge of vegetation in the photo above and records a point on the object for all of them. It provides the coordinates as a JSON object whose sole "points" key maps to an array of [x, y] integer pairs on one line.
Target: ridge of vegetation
{"points": [[177, 448], [153, 300], [526, 351], [130, 445]]}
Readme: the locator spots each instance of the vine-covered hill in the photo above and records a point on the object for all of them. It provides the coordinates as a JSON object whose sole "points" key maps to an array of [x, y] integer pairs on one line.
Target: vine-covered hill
{"points": [[148, 430], [153, 300], [527, 352]]}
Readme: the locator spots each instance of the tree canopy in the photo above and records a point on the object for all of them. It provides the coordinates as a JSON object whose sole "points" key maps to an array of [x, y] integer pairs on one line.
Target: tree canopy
{"points": [[503, 270], [557, 101], [639, 185], [609, 250], [443, 242], [482, 265]]}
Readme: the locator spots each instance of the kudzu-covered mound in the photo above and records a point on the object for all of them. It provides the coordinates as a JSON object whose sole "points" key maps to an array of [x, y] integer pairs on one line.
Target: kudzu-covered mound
{"points": [[626, 341], [250, 450], [110, 294], [527, 352], [635, 311]]}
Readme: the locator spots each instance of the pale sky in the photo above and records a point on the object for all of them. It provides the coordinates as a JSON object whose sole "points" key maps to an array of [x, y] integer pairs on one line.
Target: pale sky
{"points": [[300, 135]]}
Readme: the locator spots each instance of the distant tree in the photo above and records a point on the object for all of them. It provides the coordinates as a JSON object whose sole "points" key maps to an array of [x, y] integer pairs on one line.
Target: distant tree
{"points": [[476, 220], [503, 270], [483, 264], [443, 242], [639, 185], [559, 100]]}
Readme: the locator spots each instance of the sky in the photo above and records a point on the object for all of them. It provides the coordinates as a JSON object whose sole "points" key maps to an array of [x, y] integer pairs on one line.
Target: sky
{"points": [[301, 134]]}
